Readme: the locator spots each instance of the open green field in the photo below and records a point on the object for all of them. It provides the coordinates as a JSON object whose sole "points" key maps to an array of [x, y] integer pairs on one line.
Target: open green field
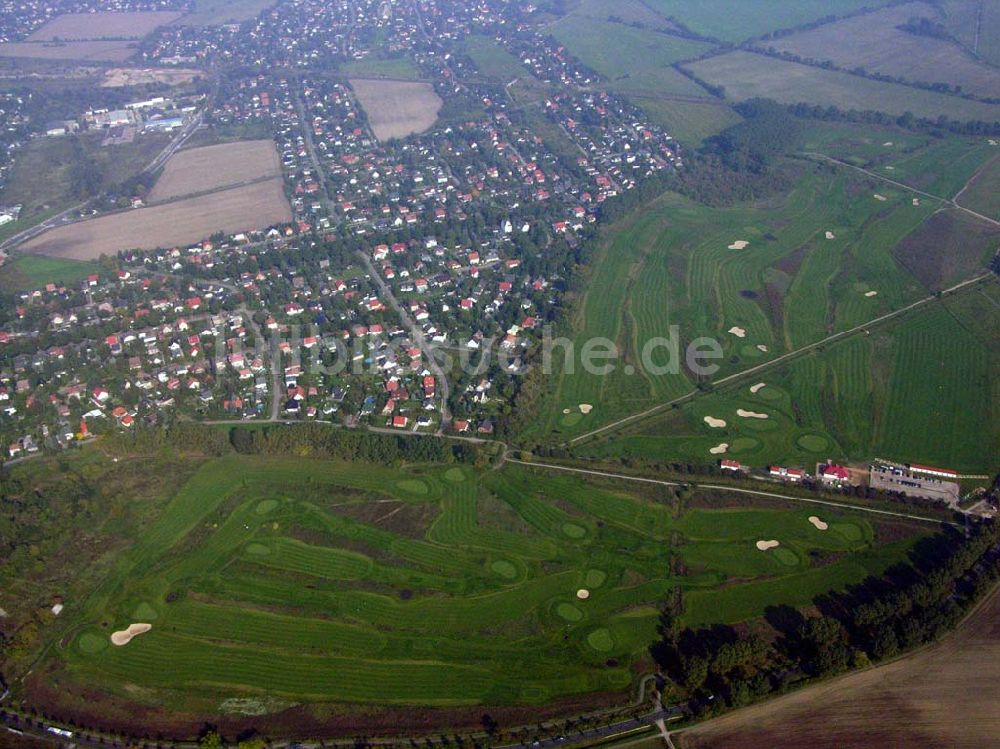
{"points": [[923, 389], [690, 121], [735, 22], [34, 271], [217, 12], [493, 61], [983, 193], [746, 75], [792, 285], [402, 68], [876, 43], [345, 583], [633, 60]]}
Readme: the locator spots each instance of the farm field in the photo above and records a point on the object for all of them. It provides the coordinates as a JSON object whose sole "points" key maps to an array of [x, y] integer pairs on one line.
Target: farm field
{"points": [[181, 222], [89, 51], [103, 25], [817, 261], [198, 170], [633, 60], [690, 121], [736, 22], [431, 586], [493, 61], [874, 42], [216, 12], [746, 75], [396, 109], [921, 389], [895, 704]]}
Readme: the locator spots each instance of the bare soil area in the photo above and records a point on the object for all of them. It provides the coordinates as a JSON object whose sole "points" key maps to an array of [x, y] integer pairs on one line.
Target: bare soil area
{"points": [[179, 223], [397, 108], [103, 25], [200, 170], [118, 77], [944, 695]]}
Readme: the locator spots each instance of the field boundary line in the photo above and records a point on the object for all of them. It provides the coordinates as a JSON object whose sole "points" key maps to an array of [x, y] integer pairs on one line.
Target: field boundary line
{"points": [[783, 357], [738, 490]]}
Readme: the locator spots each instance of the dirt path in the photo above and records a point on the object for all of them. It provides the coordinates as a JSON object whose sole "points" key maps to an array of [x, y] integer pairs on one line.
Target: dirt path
{"points": [[943, 695]]}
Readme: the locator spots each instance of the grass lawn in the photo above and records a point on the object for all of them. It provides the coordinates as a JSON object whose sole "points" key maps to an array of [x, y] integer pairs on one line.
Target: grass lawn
{"points": [[690, 121], [401, 68], [493, 61], [26, 272], [217, 12], [435, 586], [746, 75]]}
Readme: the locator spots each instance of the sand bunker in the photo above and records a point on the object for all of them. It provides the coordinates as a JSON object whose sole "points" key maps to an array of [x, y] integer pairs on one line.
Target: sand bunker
{"points": [[871, 293], [583, 594], [887, 143], [882, 198], [762, 347], [992, 142], [719, 449], [124, 636], [567, 410], [916, 201], [739, 244], [758, 387], [738, 332], [765, 545], [830, 235], [586, 408], [714, 422], [818, 523], [744, 414]]}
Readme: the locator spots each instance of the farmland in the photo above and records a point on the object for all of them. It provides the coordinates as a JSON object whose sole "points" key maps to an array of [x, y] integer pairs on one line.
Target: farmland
{"points": [[324, 580], [735, 22], [88, 51], [983, 192], [181, 222], [396, 109], [895, 704], [102, 25], [214, 12], [874, 42], [199, 170], [745, 75]]}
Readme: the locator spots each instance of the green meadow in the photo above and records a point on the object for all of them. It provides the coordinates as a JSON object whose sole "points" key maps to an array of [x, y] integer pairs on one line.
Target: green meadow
{"points": [[439, 586]]}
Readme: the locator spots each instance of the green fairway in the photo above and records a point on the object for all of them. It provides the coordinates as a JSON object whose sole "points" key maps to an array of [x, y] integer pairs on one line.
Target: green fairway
{"points": [[922, 390], [318, 579]]}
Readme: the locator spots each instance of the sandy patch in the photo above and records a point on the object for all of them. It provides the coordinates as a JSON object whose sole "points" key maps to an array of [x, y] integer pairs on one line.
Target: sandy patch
{"points": [[124, 636], [583, 594], [714, 422], [762, 347], [758, 387], [765, 545], [744, 414], [586, 408], [739, 244], [871, 293], [820, 525], [719, 449], [887, 144], [119, 77], [830, 235], [567, 410], [738, 332], [881, 198], [992, 142], [916, 201]]}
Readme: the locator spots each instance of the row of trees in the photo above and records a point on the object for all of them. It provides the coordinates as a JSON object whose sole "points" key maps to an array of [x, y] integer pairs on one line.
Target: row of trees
{"points": [[910, 605]]}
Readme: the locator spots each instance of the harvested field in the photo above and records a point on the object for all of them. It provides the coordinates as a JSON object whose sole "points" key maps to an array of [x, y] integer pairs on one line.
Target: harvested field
{"points": [[95, 51], [949, 246], [397, 108], [941, 696], [103, 25], [746, 75], [182, 222], [118, 77], [874, 42], [199, 170]]}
